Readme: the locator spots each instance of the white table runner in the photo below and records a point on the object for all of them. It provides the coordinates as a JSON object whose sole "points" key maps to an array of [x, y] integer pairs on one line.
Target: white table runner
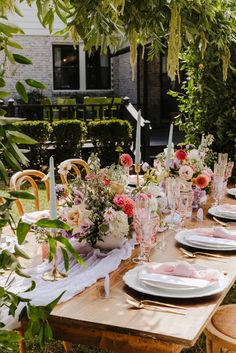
{"points": [[98, 265]]}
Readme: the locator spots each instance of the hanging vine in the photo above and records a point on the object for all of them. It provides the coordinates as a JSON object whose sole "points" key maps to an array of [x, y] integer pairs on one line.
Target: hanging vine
{"points": [[174, 43]]}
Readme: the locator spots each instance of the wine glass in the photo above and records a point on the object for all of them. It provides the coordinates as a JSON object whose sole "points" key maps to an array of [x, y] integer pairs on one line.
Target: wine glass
{"points": [[143, 225]]}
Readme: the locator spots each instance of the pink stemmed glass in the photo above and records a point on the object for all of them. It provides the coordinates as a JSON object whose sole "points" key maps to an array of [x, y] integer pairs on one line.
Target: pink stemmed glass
{"points": [[143, 226]]}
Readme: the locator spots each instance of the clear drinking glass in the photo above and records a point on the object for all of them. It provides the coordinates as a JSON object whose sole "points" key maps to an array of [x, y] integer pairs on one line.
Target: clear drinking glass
{"points": [[184, 204], [172, 192], [223, 158], [218, 189], [229, 169], [143, 225]]}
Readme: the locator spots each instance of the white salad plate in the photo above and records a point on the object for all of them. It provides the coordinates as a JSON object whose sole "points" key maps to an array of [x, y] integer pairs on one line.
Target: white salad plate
{"points": [[131, 279], [191, 238], [215, 211], [232, 192]]}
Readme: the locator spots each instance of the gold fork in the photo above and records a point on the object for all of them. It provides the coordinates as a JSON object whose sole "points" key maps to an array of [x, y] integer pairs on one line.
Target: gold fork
{"points": [[149, 304], [200, 253]]}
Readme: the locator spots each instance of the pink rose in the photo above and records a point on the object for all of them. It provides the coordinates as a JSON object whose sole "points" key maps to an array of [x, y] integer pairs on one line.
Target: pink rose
{"points": [[208, 172], [126, 160], [185, 172]]}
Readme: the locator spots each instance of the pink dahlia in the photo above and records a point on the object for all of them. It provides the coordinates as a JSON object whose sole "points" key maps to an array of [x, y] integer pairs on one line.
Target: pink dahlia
{"points": [[126, 160], [120, 200], [181, 155], [202, 181], [128, 207]]}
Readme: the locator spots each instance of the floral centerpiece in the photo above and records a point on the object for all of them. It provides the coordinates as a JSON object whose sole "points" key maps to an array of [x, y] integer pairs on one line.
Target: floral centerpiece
{"points": [[96, 207], [190, 165]]}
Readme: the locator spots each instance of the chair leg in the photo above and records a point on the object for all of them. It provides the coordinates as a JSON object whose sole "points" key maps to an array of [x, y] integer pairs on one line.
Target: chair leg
{"points": [[208, 345], [67, 346]]}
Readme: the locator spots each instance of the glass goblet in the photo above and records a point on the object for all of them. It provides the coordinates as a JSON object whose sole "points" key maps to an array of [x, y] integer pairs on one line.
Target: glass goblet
{"points": [[143, 226]]}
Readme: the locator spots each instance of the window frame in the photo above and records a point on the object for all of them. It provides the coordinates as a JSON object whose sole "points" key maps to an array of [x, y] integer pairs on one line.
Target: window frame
{"points": [[54, 45]]}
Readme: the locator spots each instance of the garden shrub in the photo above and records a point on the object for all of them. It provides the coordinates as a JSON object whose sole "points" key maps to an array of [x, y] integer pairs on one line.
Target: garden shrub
{"points": [[69, 136], [107, 135], [207, 103], [40, 131]]}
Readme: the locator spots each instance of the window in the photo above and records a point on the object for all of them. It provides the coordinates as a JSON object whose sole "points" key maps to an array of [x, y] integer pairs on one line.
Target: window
{"points": [[97, 71], [66, 67]]}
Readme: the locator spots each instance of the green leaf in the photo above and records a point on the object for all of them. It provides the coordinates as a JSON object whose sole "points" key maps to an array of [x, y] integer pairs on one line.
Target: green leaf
{"points": [[52, 223], [14, 44], [22, 91], [2, 82], [22, 230], [9, 28], [52, 247], [22, 59], [32, 287], [3, 222], [3, 172], [70, 248], [19, 252], [66, 259], [20, 273], [22, 195], [18, 137], [11, 160], [4, 94], [52, 305], [34, 83]]}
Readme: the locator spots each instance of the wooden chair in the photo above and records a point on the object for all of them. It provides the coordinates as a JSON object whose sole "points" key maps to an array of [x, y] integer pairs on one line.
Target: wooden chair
{"points": [[221, 331], [29, 176], [76, 165]]}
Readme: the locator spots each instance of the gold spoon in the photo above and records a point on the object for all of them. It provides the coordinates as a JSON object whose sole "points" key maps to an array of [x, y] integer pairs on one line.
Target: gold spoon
{"points": [[155, 302], [140, 305], [224, 224]]}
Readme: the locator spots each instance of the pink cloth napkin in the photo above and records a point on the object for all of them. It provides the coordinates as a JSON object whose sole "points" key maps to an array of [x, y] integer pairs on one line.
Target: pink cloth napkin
{"points": [[217, 232], [184, 269]]}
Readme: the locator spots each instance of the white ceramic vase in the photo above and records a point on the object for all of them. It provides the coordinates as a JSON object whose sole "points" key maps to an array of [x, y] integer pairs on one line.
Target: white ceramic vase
{"points": [[110, 243]]}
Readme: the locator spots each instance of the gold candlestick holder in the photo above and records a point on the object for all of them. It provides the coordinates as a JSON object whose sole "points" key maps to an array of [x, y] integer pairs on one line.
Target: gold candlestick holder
{"points": [[54, 274], [137, 171]]}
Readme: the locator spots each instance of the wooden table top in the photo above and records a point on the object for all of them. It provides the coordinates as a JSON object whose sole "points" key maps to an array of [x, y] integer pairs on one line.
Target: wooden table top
{"points": [[92, 310]]}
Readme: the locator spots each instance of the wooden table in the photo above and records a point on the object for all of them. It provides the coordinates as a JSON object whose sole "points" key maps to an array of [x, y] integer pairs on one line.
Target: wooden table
{"points": [[109, 323]]}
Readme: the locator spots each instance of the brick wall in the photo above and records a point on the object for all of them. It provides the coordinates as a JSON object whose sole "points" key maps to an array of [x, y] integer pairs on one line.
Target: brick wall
{"points": [[122, 78]]}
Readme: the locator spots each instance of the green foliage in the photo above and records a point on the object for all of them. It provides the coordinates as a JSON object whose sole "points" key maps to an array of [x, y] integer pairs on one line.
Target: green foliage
{"points": [[40, 131], [69, 136], [10, 138], [107, 135], [207, 103]]}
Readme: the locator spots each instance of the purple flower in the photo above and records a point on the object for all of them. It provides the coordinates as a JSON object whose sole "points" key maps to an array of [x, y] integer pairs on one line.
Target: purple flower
{"points": [[77, 200], [60, 190]]}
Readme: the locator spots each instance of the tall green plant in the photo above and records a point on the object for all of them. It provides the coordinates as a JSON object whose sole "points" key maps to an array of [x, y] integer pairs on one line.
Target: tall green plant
{"points": [[207, 104]]}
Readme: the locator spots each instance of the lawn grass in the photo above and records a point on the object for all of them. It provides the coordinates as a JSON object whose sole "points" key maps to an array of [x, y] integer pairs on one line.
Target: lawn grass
{"points": [[56, 346]]}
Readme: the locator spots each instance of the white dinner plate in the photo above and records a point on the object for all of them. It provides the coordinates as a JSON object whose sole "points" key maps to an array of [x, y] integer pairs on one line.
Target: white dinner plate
{"points": [[175, 283], [232, 192], [131, 280], [214, 211], [133, 180], [183, 235]]}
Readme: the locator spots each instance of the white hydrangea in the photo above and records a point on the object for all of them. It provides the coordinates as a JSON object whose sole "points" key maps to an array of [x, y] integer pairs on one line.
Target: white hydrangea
{"points": [[118, 224], [64, 167]]}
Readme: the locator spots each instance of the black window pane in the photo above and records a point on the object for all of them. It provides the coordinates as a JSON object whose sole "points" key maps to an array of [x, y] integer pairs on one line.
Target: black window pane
{"points": [[66, 67], [97, 71], [66, 78]]}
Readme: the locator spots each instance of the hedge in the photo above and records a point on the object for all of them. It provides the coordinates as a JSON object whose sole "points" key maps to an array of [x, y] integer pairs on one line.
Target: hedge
{"points": [[64, 139], [107, 135], [40, 131], [69, 137]]}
